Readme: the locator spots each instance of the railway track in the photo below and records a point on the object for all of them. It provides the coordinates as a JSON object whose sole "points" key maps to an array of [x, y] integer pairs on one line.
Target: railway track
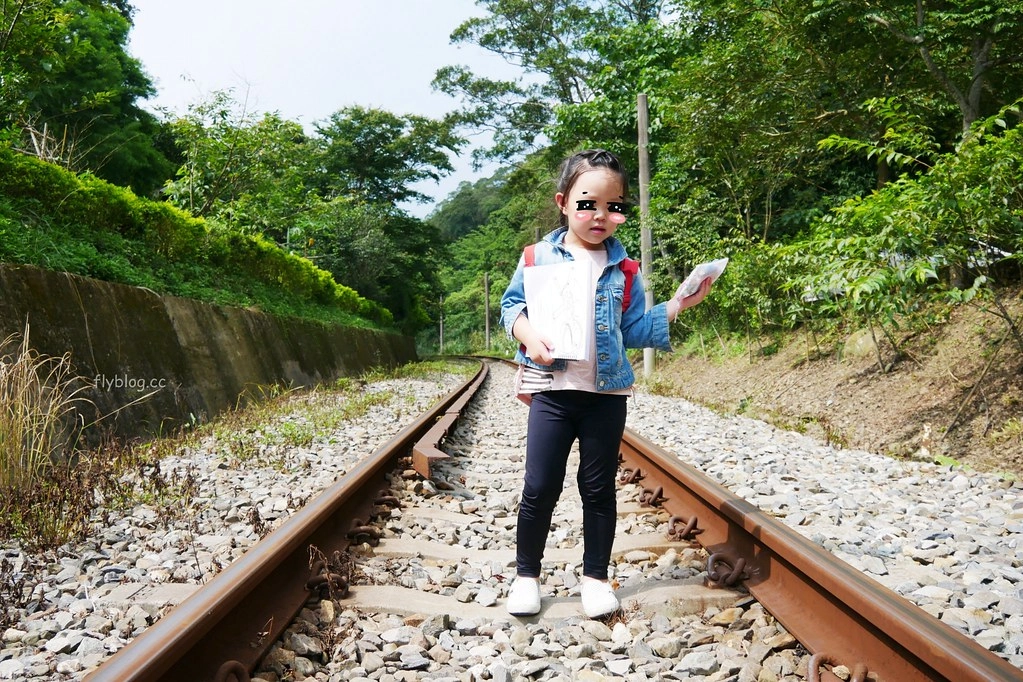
{"points": [[423, 529]]}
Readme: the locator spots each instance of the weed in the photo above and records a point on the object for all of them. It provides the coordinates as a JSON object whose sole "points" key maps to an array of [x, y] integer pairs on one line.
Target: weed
{"points": [[421, 370], [1009, 399], [663, 386], [346, 384], [15, 592], [1011, 430], [67, 486], [336, 574], [946, 461], [259, 526], [47, 488], [295, 433], [39, 397], [623, 615], [59, 506], [832, 435], [296, 420]]}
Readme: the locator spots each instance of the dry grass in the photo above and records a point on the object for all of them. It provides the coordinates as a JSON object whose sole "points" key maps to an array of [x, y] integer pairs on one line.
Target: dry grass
{"points": [[626, 613], [39, 397], [49, 486], [46, 490]]}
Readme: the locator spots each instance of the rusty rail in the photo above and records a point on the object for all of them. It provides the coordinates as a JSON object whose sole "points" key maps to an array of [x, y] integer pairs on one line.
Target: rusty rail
{"points": [[223, 630], [839, 614], [427, 449]]}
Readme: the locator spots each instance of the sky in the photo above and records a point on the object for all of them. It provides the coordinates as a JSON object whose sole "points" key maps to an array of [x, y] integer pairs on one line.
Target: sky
{"points": [[307, 59]]}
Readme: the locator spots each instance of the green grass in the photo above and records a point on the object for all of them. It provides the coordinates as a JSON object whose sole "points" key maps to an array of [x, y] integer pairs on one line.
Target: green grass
{"points": [[424, 370]]}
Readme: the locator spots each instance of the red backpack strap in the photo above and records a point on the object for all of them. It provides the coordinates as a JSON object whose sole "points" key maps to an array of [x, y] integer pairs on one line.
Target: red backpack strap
{"points": [[629, 268]]}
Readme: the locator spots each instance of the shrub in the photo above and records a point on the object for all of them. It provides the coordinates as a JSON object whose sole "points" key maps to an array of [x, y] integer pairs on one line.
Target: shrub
{"points": [[51, 218]]}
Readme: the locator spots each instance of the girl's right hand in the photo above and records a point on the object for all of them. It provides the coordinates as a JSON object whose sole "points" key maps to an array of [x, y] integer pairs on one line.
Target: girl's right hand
{"points": [[539, 350], [538, 346]]}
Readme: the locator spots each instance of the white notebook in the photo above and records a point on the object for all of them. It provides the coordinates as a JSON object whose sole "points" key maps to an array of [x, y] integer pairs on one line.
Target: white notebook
{"points": [[559, 306]]}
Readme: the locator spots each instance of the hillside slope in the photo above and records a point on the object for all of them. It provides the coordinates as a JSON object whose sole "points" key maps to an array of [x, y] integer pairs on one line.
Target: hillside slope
{"points": [[942, 399]]}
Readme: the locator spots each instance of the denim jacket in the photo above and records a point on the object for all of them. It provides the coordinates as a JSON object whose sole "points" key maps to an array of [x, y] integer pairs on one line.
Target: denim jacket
{"points": [[616, 329]]}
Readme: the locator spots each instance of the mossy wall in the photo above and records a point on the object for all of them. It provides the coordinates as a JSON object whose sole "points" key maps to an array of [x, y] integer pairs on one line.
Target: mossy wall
{"points": [[200, 359]]}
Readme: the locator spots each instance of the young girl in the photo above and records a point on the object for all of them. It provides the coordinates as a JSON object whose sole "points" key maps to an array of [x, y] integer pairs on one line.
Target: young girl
{"points": [[584, 399]]}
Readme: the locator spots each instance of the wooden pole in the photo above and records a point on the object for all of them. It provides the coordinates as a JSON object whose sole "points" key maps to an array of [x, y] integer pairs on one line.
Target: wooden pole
{"points": [[486, 308], [646, 243]]}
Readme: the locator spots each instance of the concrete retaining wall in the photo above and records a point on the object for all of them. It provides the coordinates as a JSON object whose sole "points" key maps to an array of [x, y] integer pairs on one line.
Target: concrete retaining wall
{"points": [[199, 358]]}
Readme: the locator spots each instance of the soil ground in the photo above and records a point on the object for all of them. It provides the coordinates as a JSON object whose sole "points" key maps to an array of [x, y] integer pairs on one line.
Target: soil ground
{"points": [[954, 394]]}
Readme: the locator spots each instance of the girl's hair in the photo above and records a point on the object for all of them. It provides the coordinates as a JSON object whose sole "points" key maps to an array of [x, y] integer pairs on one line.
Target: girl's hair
{"points": [[577, 164]]}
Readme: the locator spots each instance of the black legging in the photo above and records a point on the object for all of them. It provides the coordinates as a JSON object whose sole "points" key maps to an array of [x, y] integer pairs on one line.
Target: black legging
{"points": [[556, 420]]}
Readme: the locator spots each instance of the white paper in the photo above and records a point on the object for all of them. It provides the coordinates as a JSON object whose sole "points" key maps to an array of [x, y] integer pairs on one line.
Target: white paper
{"points": [[712, 269], [558, 306]]}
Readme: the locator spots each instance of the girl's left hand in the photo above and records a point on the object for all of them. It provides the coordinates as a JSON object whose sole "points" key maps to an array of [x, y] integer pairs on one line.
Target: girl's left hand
{"points": [[694, 298], [677, 305]]}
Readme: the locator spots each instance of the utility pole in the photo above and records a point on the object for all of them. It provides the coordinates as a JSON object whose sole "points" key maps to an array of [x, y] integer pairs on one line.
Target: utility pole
{"points": [[486, 308], [441, 335], [646, 243]]}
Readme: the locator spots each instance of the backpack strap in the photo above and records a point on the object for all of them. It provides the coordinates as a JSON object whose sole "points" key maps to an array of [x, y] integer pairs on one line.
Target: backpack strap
{"points": [[629, 268]]}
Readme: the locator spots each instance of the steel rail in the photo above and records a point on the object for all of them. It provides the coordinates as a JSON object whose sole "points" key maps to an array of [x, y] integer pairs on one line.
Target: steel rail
{"points": [[839, 614], [224, 629], [427, 448]]}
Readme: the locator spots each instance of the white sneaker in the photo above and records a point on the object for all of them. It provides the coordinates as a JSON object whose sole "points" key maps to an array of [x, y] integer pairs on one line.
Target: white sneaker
{"points": [[524, 597], [598, 598]]}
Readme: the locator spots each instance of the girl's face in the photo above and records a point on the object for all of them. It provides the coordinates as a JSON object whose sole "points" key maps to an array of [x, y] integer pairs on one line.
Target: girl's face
{"points": [[594, 207]]}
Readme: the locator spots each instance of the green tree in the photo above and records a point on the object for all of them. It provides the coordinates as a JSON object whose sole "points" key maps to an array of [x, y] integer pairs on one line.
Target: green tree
{"points": [[769, 81], [489, 252], [548, 42], [27, 45], [330, 197], [637, 58], [378, 156], [970, 48], [542, 39], [67, 82], [249, 171], [527, 211], [381, 252], [469, 206]]}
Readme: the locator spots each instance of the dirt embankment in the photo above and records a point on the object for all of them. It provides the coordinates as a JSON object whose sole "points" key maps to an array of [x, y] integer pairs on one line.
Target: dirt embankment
{"points": [[955, 390]]}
